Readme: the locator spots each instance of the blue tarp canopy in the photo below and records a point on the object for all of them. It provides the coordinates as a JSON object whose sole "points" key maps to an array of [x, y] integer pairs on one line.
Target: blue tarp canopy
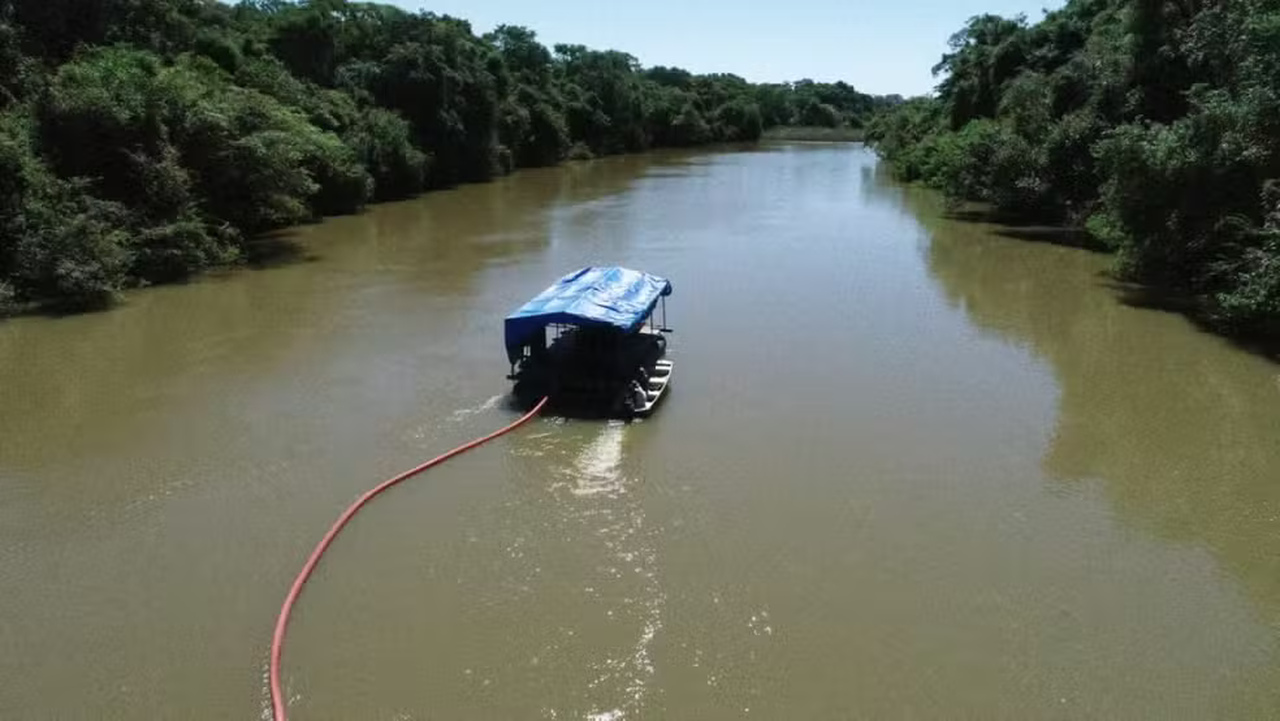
{"points": [[600, 296]]}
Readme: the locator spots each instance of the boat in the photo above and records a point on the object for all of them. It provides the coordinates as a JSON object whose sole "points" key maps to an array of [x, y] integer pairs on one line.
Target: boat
{"points": [[591, 344]]}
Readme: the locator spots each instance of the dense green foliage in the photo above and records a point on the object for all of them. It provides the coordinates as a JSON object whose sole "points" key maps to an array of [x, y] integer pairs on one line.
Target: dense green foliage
{"points": [[144, 140], [1156, 123]]}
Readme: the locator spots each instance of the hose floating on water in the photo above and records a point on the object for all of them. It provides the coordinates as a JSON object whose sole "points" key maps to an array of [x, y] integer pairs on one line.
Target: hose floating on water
{"points": [[282, 622]]}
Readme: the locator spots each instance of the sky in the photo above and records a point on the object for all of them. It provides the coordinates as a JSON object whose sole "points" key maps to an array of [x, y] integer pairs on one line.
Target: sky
{"points": [[880, 47]]}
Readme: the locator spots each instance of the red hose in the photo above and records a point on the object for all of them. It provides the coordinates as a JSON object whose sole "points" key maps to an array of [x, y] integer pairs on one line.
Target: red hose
{"points": [[277, 640]]}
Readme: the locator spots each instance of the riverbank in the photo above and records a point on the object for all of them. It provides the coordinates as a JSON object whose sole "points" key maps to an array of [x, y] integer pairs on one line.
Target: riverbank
{"points": [[260, 122], [1260, 337], [806, 133], [273, 247]]}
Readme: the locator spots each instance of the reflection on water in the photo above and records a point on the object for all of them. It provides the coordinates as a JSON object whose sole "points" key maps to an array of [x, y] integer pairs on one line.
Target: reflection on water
{"points": [[913, 469], [1176, 428], [598, 497], [599, 486], [597, 471]]}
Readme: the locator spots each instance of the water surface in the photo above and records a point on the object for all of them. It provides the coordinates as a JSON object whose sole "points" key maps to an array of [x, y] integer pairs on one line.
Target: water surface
{"points": [[909, 468]]}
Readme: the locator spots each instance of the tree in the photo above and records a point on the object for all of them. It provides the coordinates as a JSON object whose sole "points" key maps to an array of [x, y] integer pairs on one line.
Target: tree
{"points": [[986, 53], [1155, 122]]}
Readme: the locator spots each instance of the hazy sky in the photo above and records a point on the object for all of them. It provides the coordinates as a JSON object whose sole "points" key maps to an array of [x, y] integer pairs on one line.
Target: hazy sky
{"points": [[886, 46]]}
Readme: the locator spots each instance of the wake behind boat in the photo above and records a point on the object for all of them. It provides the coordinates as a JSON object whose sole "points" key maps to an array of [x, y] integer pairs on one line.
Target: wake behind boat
{"points": [[590, 342]]}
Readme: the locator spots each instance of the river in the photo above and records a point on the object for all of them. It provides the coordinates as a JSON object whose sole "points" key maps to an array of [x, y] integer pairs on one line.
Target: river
{"points": [[909, 467]]}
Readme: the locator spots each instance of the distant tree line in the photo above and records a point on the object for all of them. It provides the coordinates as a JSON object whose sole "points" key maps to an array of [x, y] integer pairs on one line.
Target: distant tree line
{"points": [[144, 140], [1155, 124]]}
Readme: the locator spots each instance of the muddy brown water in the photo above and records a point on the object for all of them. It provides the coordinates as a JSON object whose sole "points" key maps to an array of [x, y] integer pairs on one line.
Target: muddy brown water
{"points": [[908, 468]]}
